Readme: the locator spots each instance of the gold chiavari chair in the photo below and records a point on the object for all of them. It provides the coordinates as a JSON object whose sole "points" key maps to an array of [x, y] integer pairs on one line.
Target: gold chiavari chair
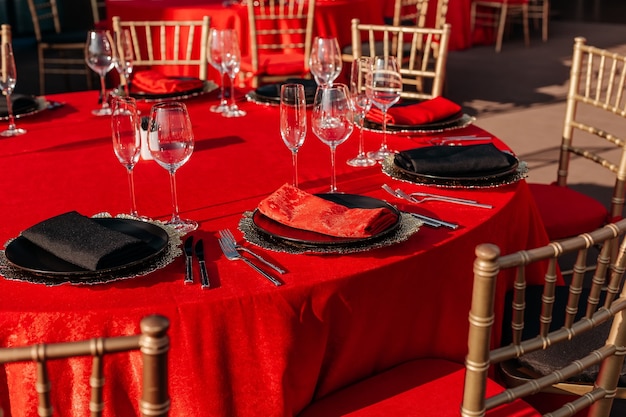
{"points": [[153, 343], [432, 386], [497, 14]]}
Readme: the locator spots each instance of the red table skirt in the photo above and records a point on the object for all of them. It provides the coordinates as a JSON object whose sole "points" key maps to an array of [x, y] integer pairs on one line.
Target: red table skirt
{"points": [[243, 347]]}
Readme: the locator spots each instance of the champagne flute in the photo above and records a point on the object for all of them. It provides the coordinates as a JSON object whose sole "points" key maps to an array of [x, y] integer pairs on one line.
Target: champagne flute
{"points": [[124, 57], [8, 78], [231, 61], [325, 60], [99, 57], [215, 59], [383, 87], [331, 120], [126, 139], [361, 102], [171, 144], [293, 121]]}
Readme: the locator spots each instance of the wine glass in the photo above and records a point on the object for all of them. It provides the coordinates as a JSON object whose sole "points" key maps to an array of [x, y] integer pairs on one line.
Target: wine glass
{"points": [[126, 139], [331, 120], [361, 102], [215, 59], [325, 60], [8, 78], [171, 144], [383, 87], [293, 121], [124, 57], [231, 60], [99, 57]]}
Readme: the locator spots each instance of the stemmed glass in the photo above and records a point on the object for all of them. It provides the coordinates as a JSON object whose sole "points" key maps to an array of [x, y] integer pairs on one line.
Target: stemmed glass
{"points": [[215, 59], [231, 60], [126, 139], [124, 57], [383, 87], [8, 78], [325, 60], [171, 145], [361, 102], [331, 120], [100, 58], [293, 121]]}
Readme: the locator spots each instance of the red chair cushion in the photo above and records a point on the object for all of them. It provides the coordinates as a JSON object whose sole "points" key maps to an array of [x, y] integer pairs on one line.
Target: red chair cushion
{"points": [[276, 63], [424, 387], [566, 212]]}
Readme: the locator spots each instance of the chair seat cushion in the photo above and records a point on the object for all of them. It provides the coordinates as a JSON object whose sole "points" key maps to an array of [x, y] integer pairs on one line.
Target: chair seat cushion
{"points": [[276, 63], [566, 212], [424, 387]]}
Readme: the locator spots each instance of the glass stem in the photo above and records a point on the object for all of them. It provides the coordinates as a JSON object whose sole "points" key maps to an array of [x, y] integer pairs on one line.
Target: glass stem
{"points": [[232, 92], [10, 112], [131, 186], [294, 160], [223, 101], [383, 147], [103, 92], [333, 178], [175, 216], [361, 144]]}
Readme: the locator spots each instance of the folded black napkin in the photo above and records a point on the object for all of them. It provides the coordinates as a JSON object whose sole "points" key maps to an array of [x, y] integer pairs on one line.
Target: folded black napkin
{"points": [[454, 160], [272, 91], [84, 242], [21, 104]]}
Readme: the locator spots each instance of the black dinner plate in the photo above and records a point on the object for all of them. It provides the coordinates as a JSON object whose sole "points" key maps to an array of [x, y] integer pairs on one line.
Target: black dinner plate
{"points": [[282, 232], [270, 93], [456, 121], [178, 95], [23, 106], [25, 255], [470, 176]]}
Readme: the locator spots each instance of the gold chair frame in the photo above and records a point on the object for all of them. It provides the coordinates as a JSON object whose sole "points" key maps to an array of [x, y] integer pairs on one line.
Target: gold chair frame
{"points": [[503, 10]]}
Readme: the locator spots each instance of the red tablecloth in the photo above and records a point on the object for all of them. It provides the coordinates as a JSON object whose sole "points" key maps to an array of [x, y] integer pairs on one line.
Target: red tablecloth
{"points": [[244, 347]]}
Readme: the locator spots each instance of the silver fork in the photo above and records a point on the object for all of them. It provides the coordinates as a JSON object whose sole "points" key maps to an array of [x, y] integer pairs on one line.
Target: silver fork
{"points": [[228, 236], [414, 199], [232, 255]]}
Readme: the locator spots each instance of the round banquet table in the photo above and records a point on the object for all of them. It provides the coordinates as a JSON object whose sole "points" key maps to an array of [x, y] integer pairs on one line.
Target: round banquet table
{"points": [[243, 347]]}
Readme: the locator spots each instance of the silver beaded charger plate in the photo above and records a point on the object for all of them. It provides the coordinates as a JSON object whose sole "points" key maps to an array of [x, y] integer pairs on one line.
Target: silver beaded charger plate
{"points": [[392, 170], [163, 258], [451, 123], [209, 86], [39, 104], [408, 225]]}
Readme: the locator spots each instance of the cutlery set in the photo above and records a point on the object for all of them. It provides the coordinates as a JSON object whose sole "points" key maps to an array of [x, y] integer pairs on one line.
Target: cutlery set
{"points": [[232, 251]]}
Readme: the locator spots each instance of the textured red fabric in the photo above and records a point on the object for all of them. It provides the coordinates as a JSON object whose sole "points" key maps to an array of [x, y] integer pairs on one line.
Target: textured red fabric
{"points": [[428, 111], [424, 387], [243, 348], [566, 212], [296, 208], [151, 81], [277, 63]]}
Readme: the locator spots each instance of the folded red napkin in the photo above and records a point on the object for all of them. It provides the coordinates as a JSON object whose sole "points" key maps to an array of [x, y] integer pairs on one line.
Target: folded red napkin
{"points": [[296, 208], [151, 81], [428, 111]]}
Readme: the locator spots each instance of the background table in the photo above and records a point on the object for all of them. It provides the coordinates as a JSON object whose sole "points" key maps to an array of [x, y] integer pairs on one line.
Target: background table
{"points": [[243, 347]]}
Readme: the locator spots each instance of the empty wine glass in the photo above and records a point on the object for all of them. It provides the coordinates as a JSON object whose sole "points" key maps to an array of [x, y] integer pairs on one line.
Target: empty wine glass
{"points": [[126, 139], [383, 87], [331, 120], [171, 145], [124, 57], [215, 59], [293, 121], [325, 60], [99, 57], [8, 79], [361, 102], [231, 60]]}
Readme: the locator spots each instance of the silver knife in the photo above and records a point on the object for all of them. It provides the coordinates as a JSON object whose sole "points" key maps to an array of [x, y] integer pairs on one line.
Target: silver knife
{"points": [[204, 275], [188, 258]]}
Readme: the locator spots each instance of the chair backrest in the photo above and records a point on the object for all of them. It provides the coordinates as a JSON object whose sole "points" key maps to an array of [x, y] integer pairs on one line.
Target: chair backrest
{"points": [[169, 43], [595, 99], [415, 12], [423, 69], [281, 27], [45, 17], [98, 10], [153, 342], [491, 269]]}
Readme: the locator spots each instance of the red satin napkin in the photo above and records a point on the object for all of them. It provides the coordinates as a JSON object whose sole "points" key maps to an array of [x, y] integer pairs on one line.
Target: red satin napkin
{"points": [[428, 111], [154, 82], [296, 208]]}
